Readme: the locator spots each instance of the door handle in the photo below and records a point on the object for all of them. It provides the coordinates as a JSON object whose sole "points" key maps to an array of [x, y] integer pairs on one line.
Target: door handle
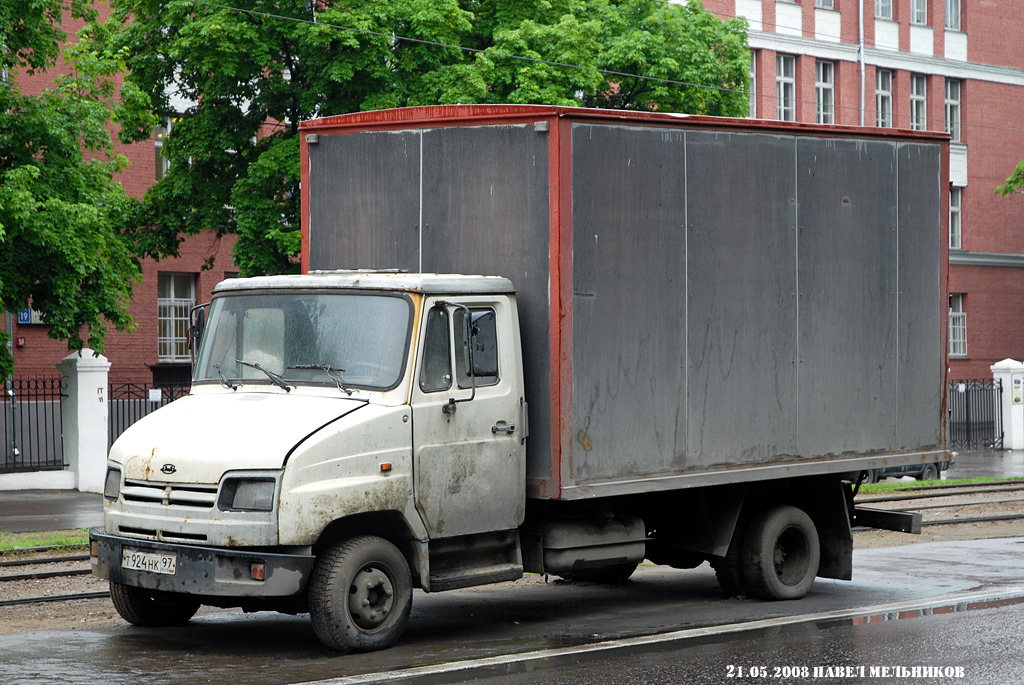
{"points": [[504, 428]]}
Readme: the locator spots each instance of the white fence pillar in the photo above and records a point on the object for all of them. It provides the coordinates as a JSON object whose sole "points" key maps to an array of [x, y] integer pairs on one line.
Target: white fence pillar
{"points": [[1011, 373], [84, 417]]}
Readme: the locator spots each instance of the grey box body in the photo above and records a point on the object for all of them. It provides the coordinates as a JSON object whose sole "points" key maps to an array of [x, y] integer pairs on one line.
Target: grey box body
{"points": [[701, 300]]}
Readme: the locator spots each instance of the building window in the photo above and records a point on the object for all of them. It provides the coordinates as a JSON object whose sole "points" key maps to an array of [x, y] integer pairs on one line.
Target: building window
{"points": [[827, 4], [955, 202], [919, 12], [162, 163], [824, 90], [953, 15], [883, 9], [785, 87], [752, 100], [918, 102], [957, 326], [953, 109], [176, 295], [883, 98]]}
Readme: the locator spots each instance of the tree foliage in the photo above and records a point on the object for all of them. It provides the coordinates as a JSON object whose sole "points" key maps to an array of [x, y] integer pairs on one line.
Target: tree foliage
{"points": [[1015, 183], [61, 209], [220, 74]]}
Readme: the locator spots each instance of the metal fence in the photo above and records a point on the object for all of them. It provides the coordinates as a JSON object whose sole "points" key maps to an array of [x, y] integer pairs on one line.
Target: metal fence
{"points": [[32, 430], [129, 402], [975, 414]]}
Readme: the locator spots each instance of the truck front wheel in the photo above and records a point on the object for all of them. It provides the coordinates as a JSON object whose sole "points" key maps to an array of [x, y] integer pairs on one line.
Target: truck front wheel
{"points": [[360, 595], [780, 554], [152, 608]]}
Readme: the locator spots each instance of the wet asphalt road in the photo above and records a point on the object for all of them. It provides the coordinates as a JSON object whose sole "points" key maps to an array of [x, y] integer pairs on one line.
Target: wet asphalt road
{"points": [[532, 615], [997, 463], [980, 647]]}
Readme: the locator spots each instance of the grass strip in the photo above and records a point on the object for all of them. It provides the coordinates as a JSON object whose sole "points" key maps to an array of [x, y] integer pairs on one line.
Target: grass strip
{"points": [[60, 539], [902, 485]]}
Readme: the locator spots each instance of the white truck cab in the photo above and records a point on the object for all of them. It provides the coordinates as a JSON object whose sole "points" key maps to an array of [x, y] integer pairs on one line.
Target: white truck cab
{"points": [[331, 414]]}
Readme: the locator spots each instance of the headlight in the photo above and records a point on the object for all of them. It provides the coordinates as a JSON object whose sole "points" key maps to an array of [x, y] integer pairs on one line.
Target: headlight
{"points": [[247, 494], [112, 486]]}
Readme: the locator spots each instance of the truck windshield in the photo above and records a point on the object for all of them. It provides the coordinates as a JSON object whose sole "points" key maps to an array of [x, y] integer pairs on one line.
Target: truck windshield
{"points": [[362, 338]]}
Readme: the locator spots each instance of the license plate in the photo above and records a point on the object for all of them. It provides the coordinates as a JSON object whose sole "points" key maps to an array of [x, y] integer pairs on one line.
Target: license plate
{"points": [[152, 562]]}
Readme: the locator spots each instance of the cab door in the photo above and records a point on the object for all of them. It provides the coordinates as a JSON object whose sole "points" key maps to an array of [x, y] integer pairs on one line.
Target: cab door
{"points": [[469, 429]]}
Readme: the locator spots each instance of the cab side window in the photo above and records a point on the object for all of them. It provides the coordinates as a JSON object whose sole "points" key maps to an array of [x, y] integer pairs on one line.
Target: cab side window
{"points": [[485, 347], [436, 374]]}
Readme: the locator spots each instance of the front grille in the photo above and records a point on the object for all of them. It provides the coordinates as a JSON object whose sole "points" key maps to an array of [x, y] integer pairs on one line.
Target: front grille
{"points": [[159, 534], [195, 495]]}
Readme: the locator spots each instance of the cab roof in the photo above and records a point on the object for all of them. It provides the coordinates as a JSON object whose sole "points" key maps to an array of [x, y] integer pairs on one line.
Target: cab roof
{"points": [[441, 284]]}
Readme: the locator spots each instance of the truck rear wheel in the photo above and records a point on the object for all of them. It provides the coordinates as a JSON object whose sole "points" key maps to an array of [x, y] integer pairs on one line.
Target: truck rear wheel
{"points": [[930, 472], [780, 554], [152, 608], [360, 595]]}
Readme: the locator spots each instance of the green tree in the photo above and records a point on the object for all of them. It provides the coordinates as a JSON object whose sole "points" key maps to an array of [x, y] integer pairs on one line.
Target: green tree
{"points": [[61, 209], [220, 75], [1014, 183]]}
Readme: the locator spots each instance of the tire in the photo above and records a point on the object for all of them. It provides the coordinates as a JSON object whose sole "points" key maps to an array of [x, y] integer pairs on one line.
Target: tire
{"points": [[929, 472], [360, 595], [729, 569], [781, 552], [152, 608], [610, 575], [870, 476]]}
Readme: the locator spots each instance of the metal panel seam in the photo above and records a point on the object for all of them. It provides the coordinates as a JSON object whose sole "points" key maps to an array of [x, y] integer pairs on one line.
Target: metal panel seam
{"points": [[796, 299], [686, 296], [420, 225], [896, 389]]}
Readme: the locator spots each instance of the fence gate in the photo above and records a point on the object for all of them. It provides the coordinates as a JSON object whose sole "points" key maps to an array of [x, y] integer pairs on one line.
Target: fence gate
{"points": [[975, 414], [129, 402], [32, 430]]}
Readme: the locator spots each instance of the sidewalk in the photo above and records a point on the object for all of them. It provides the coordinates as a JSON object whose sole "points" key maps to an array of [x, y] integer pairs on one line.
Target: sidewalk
{"points": [[23, 511]]}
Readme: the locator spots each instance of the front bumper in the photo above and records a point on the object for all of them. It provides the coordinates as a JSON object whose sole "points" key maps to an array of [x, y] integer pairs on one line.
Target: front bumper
{"points": [[209, 571]]}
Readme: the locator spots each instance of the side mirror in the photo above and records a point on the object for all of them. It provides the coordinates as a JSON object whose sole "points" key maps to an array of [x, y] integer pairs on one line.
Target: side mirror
{"points": [[197, 324]]}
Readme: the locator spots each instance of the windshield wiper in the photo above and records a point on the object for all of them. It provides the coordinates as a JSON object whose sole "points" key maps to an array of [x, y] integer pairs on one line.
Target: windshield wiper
{"points": [[224, 380], [326, 368], [274, 378]]}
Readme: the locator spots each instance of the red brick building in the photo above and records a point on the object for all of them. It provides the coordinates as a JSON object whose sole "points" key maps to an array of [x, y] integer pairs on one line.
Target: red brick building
{"points": [[954, 65], [155, 350]]}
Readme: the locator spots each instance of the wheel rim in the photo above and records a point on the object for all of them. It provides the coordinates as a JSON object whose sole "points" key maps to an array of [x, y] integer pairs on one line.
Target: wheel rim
{"points": [[791, 556], [371, 597]]}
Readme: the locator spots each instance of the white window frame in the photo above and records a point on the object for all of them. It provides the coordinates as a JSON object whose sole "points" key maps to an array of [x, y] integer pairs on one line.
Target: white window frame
{"points": [[825, 4], [785, 87], [883, 9], [957, 326], [919, 12], [953, 15], [918, 102], [883, 98], [956, 198], [752, 101], [954, 88], [825, 91], [172, 316], [161, 132]]}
